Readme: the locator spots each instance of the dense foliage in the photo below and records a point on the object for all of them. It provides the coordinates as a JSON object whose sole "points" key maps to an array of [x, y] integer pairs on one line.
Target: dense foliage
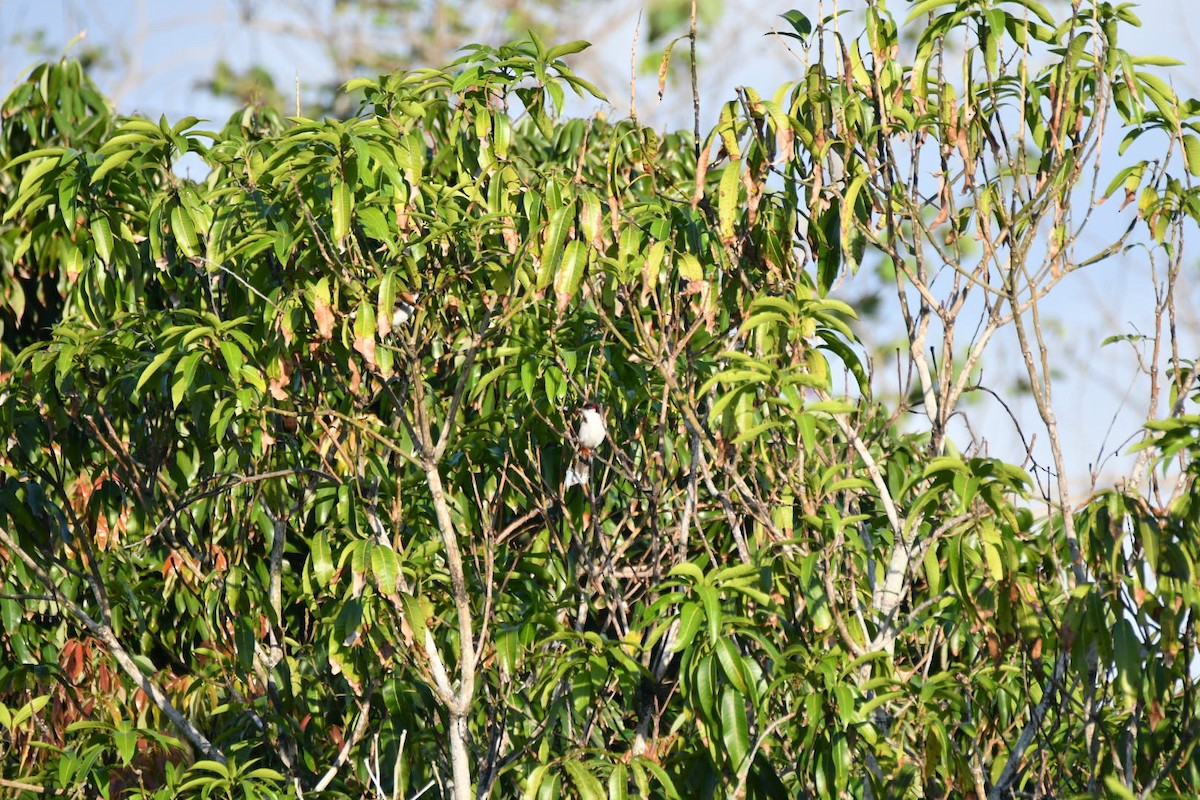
{"points": [[282, 510]]}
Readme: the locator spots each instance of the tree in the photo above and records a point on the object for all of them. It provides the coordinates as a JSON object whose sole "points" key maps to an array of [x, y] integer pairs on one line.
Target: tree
{"points": [[285, 476], [334, 43]]}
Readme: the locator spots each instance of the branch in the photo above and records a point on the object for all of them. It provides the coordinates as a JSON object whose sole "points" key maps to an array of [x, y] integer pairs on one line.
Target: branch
{"points": [[234, 482], [1186, 745], [735, 525], [464, 377], [460, 701], [24, 787], [830, 593], [1009, 774], [695, 83], [344, 754], [690, 502], [885, 494], [120, 655], [1042, 399]]}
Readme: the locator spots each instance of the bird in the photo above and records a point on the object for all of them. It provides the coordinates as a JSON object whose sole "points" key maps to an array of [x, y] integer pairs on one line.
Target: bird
{"points": [[591, 434], [405, 308]]}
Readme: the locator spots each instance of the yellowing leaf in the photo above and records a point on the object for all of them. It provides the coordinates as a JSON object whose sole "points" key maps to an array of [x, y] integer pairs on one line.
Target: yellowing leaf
{"points": [[570, 274], [591, 219], [364, 332], [1191, 153], [343, 203], [653, 265], [552, 251], [386, 305], [727, 200], [689, 267], [321, 309]]}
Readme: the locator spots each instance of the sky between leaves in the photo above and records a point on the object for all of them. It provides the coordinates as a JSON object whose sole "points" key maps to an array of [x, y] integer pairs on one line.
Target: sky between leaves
{"points": [[158, 57]]}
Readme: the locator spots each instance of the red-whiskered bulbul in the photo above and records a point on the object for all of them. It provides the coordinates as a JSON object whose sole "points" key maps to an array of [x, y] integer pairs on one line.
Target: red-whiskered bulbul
{"points": [[590, 435]]}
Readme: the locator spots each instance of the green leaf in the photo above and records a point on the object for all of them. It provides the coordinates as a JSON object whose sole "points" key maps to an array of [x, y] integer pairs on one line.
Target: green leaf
{"points": [[10, 615], [417, 611], [360, 564], [1157, 61], [1039, 10], [558, 51], [991, 550], [800, 24], [690, 617], [927, 6], [728, 130], [585, 782], [728, 195], [735, 728], [831, 407], [151, 368], [385, 304], [652, 265], [375, 224], [365, 330], [244, 640], [1127, 651], [731, 664], [31, 179], [641, 765], [185, 231], [185, 375], [705, 686], [321, 559], [933, 571], [737, 375], [125, 740], [102, 238], [570, 274], [591, 219], [712, 611], [1117, 788], [1161, 95], [689, 267], [618, 782], [117, 159], [687, 569], [125, 142], [533, 783], [234, 358], [348, 623], [44, 152], [385, 568], [183, 124], [552, 251]]}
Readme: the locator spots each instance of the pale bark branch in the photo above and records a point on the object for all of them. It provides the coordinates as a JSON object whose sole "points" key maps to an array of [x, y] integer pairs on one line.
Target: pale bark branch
{"points": [[105, 634], [364, 717], [459, 702], [1009, 774]]}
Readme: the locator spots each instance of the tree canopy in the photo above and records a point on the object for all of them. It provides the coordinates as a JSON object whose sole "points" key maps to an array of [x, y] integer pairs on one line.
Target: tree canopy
{"points": [[282, 510]]}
